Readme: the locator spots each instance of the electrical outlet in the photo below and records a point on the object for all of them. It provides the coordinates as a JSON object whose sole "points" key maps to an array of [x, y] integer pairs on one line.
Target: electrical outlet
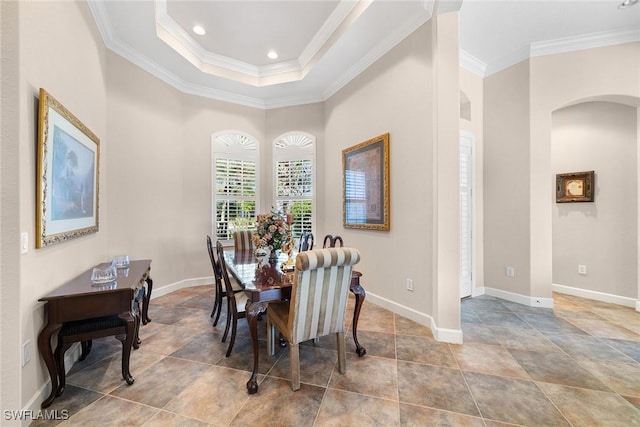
{"points": [[26, 352], [582, 269], [410, 284], [510, 272]]}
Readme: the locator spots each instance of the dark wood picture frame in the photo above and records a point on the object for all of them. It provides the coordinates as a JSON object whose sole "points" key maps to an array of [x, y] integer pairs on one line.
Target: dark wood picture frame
{"points": [[575, 187], [365, 173]]}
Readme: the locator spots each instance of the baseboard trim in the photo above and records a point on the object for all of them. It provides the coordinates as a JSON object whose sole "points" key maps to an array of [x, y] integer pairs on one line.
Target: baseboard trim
{"points": [[186, 283], [440, 334], [520, 299], [71, 356], [598, 296]]}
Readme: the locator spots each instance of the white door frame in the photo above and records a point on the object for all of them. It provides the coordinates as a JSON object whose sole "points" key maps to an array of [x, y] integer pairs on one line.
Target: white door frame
{"points": [[467, 139]]}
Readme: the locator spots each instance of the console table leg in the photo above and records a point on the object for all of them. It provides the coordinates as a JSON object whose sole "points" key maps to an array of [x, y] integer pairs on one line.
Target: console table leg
{"points": [[44, 346], [146, 299], [127, 343], [253, 310]]}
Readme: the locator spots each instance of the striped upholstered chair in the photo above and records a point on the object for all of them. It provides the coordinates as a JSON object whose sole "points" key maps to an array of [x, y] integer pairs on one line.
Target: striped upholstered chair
{"points": [[242, 240], [317, 306]]}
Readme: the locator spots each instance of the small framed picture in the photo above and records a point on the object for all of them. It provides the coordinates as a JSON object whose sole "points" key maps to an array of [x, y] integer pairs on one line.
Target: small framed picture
{"points": [[574, 187]]}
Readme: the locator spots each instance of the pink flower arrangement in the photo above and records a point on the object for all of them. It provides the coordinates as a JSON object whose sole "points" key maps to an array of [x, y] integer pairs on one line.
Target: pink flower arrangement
{"points": [[271, 231]]}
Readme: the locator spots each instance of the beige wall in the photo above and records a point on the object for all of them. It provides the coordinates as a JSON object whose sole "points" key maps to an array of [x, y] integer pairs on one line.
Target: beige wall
{"points": [[602, 235], [394, 95], [518, 179], [506, 178], [10, 330], [66, 57]]}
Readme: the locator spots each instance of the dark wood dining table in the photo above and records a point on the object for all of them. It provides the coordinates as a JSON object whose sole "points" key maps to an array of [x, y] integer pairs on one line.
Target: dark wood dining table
{"points": [[263, 282]]}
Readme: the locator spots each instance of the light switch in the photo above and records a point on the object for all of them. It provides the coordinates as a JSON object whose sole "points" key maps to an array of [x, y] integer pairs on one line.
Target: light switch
{"points": [[24, 243]]}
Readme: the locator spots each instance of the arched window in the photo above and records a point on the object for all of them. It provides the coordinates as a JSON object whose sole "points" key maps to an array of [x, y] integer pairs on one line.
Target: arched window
{"points": [[294, 168], [235, 175]]}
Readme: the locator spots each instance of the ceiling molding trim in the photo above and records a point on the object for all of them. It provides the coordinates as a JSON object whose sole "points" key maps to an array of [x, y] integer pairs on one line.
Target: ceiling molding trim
{"points": [[472, 64], [100, 15], [378, 51], [131, 55], [588, 41], [564, 45], [504, 62], [327, 30], [170, 32]]}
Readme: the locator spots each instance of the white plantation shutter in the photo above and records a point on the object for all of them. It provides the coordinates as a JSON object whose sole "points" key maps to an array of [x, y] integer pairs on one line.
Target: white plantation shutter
{"points": [[235, 193], [294, 179]]}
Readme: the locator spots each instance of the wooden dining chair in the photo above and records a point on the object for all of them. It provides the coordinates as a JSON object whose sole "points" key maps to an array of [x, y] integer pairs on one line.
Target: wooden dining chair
{"points": [[317, 306], [331, 241], [236, 301], [306, 242], [243, 240], [220, 291]]}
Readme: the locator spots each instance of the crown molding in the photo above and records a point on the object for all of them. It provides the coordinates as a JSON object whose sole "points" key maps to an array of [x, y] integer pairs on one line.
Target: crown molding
{"points": [[564, 45], [472, 64], [169, 31], [382, 48], [588, 41]]}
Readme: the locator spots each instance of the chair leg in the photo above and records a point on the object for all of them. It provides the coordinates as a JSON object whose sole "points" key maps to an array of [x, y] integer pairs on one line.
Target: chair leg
{"points": [[229, 316], [233, 335], [294, 365], [342, 353], [271, 338], [217, 306]]}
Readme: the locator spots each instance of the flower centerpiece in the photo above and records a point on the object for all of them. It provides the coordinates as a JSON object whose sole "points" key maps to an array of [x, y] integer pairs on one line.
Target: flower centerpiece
{"points": [[271, 232]]}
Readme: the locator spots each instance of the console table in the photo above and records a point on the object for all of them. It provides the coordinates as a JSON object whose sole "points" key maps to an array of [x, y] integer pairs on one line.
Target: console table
{"points": [[79, 302]]}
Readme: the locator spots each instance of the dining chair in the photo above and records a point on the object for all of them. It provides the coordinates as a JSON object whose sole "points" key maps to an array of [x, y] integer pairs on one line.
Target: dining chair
{"points": [[331, 241], [236, 301], [317, 305], [243, 240], [306, 242], [219, 291]]}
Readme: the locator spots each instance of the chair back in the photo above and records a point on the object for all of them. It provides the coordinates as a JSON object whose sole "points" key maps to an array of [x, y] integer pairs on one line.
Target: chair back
{"points": [[231, 297], [306, 242], [320, 292], [215, 265], [331, 241], [243, 240]]}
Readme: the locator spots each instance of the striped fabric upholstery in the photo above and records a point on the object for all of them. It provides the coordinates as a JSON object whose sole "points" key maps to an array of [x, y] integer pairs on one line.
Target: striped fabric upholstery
{"points": [[242, 240], [317, 306], [320, 292]]}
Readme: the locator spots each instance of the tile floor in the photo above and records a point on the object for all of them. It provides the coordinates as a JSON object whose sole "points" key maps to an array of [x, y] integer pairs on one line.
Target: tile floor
{"points": [[575, 365]]}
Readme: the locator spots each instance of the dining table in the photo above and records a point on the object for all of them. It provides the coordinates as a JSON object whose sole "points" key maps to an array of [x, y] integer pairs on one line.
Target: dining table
{"points": [[265, 281]]}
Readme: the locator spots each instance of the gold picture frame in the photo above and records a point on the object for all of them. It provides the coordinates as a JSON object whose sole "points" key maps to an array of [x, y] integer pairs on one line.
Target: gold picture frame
{"points": [[68, 167], [365, 168], [575, 187]]}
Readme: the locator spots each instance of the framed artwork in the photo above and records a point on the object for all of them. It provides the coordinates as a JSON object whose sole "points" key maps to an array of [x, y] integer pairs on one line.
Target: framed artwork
{"points": [[366, 184], [574, 187], [67, 181]]}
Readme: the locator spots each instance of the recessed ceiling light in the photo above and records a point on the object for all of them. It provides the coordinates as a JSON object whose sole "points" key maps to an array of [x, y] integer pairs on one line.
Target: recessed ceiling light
{"points": [[627, 3], [274, 55], [199, 30]]}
